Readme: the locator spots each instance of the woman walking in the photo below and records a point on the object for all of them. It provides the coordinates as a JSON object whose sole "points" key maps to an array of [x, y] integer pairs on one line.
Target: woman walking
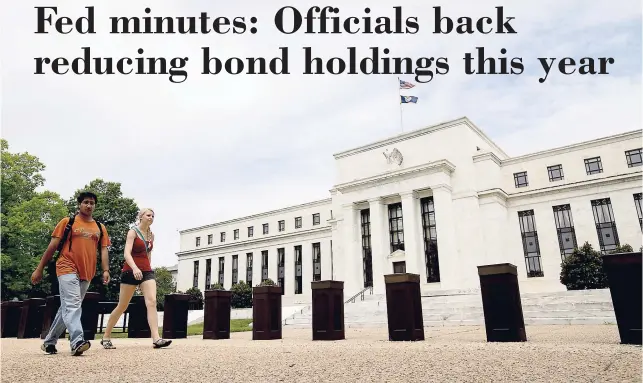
{"points": [[137, 271]]}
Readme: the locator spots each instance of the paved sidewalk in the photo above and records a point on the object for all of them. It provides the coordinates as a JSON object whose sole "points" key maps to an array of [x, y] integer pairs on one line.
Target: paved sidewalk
{"points": [[449, 354]]}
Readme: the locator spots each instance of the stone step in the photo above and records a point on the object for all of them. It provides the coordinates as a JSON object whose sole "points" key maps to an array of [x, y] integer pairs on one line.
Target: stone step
{"points": [[567, 307]]}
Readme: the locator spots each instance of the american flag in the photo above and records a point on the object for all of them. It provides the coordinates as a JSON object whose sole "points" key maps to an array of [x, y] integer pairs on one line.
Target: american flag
{"points": [[406, 85]]}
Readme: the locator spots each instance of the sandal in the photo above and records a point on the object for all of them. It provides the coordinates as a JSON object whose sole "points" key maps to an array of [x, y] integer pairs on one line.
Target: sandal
{"points": [[161, 343], [107, 344]]}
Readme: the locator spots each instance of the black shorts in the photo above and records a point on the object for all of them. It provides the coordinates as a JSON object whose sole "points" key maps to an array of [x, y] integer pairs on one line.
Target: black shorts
{"points": [[127, 277]]}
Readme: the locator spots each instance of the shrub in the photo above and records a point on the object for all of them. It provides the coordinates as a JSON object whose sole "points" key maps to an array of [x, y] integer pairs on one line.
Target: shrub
{"points": [[268, 282], [622, 249], [216, 286], [196, 298], [241, 295], [583, 269]]}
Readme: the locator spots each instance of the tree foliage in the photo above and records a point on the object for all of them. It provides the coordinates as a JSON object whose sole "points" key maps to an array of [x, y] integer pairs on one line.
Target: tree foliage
{"points": [[118, 214], [28, 232], [164, 285], [583, 269], [241, 295]]}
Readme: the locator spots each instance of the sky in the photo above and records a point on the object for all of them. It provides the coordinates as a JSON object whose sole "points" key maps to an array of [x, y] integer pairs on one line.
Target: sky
{"points": [[217, 147]]}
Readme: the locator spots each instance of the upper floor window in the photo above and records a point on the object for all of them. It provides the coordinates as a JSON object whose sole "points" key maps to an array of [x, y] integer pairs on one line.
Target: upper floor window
{"points": [[520, 179], [593, 165], [265, 228], [222, 236], [555, 173], [198, 241], [235, 233], [282, 225], [316, 219], [297, 222], [251, 230], [210, 239], [633, 157]]}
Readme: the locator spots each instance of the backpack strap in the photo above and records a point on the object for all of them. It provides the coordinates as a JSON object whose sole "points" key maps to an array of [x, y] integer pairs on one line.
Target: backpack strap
{"points": [[66, 232], [100, 234], [138, 232]]}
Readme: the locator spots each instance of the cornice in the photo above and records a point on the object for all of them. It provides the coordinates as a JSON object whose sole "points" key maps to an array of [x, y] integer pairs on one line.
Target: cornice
{"points": [[433, 167], [603, 141], [259, 215], [487, 156], [254, 241]]}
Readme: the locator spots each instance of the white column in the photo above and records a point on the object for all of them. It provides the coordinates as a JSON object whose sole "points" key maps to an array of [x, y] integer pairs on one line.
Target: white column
{"points": [[289, 277], [412, 234], [326, 262], [242, 272], [351, 254], [448, 257], [379, 243]]}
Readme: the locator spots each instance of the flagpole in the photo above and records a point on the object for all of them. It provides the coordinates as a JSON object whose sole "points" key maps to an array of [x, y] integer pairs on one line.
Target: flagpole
{"points": [[400, 101]]}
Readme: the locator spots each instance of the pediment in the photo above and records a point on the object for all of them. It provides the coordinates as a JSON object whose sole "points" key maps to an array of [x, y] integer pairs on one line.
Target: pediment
{"points": [[397, 254]]}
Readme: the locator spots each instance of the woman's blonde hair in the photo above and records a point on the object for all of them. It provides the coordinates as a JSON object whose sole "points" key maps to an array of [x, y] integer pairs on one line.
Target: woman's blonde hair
{"points": [[143, 211]]}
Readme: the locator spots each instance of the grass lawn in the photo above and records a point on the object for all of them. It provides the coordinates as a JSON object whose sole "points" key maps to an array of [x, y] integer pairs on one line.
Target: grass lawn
{"points": [[236, 325]]}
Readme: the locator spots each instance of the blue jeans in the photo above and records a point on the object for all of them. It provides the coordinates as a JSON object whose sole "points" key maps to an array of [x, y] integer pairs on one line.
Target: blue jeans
{"points": [[72, 292]]}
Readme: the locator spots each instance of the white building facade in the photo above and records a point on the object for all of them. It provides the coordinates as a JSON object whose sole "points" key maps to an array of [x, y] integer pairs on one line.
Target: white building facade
{"points": [[437, 202]]}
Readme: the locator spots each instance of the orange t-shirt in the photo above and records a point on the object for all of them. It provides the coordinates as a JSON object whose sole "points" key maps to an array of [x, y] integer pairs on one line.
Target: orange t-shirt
{"points": [[84, 254]]}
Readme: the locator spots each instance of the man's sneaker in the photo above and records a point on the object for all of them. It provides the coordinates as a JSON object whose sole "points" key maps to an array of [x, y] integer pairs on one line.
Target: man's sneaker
{"points": [[49, 348], [81, 347]]}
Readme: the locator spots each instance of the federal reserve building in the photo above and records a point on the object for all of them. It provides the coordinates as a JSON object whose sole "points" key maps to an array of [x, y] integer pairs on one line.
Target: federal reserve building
{"points": [[437, 202]]}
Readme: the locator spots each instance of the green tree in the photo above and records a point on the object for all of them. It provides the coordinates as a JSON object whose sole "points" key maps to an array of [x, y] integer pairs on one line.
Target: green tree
{"points": [[28, 231], [20, 177], [118, 214], [164, 285]]}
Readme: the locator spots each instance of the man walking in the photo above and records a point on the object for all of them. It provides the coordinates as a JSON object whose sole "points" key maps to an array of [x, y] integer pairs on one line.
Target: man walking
{"points": [[75, 268]]}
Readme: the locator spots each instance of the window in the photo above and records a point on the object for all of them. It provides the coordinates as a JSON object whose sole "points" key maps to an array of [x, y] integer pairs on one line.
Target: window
{"points": [[249, 268], [430, 240], [235, 269], [316, 262], [281, 265], [282, 225], [210, 240], [593, 165], [530, 245], [222, 237], [264, 265], [605, 224], [637, 203], [367, 251], [399, 267], [298, 274], [633, 158], [396, 226], [555, 173], [221, 264], [297, 222], [198, 241], [235, 233], [316, 219], [520, 179], [251, 230], [565, 229], [208, 274], [265, 228], [195, 275]]}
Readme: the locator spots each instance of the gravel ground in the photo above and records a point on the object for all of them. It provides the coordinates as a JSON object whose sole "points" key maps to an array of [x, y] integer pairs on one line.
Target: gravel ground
{"points": [[449, 354]]}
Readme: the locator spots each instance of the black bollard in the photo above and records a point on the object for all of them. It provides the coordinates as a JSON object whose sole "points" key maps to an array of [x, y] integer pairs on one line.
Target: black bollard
{"points": [[501, 304], [328, 310], [404, 307]]}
